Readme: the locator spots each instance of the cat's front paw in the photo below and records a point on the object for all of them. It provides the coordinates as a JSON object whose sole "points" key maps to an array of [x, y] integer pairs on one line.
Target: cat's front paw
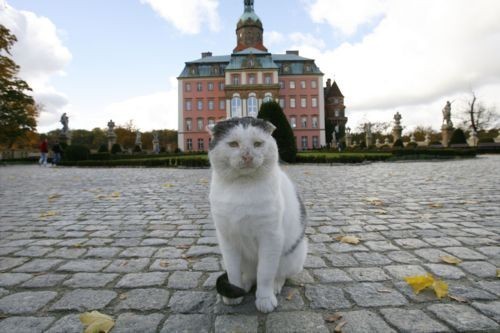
{"points": [[266, 304], [232, 301]]}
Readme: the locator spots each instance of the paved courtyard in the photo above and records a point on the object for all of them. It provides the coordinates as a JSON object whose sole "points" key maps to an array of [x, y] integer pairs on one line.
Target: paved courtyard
{"points": [[139, 245]]}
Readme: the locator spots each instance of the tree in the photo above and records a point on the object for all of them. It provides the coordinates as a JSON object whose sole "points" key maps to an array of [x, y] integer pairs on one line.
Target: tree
{"points": [[458, 137], [18, 111], [477, 117], [272, 112], [328, 131]]}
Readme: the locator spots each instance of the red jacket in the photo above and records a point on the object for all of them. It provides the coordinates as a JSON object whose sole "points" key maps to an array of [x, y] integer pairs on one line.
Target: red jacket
{"points": [[44, 147]]}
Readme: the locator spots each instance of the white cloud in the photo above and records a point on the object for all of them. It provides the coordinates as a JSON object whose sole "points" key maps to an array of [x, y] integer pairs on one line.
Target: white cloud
{"points": [[346, 15], [41, 55], [272, 38], [188, 16], [420, 55], [153, 111]]}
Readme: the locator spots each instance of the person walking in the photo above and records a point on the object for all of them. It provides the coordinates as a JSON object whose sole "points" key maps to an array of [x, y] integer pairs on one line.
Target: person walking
{"points": [[56, 148], [44, 150]]}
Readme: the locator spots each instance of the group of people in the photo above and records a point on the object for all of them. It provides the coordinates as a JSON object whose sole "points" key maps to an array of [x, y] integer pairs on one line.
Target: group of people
{"points": [[44, 151]]}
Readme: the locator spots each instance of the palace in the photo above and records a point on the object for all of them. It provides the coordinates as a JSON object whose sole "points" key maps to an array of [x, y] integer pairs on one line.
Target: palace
{"points": [[213, 88]]}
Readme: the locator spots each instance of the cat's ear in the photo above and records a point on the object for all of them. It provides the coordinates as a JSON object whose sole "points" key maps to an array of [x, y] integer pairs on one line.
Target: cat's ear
{"points": [[270, 127], [210, 129]]}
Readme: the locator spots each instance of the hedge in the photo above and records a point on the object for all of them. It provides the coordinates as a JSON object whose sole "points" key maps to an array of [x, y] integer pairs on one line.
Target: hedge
{"points": [[179, 161]]}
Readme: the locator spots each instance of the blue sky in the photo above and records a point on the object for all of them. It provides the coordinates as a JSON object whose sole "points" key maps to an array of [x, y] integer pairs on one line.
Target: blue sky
{"points": [[116, 59]]}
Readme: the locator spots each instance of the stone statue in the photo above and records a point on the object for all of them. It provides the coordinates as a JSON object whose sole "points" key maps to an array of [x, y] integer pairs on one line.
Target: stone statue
{"points": [[348, 130], [64, 122], [397, 119], [138, 138], [156, 136], [368, 129], [447, 114], [111, 126]]}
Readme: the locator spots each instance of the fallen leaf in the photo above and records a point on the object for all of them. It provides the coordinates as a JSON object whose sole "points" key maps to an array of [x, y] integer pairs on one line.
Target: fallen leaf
{"points": [[203, 181], [338, 328], [101, 196], [124, 263], [115, 194], [384, 290], [123, 296], [290, 295], [450, 259], [183, 246], [77, 245], [167, 185], [380, 211], [419, 282], [333, 318], [498, 272], [440, 288], [470, 202], [436, 205], [54, 196], [47, 214], [375, 201], [163, 263], [348, 239], [96, 322], [458, 299]]}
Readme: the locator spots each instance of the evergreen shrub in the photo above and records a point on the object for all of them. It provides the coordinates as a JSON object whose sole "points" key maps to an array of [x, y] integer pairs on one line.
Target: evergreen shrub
{"points": [[272, 112], [76, 153]]}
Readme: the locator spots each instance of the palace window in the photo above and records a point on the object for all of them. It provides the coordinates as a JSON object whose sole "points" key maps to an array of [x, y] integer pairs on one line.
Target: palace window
{"points": [[222, 104], [210, 86], [189, 144], [221, 85], [303, 102], [315, 142], [189, 105], [187, 87], [201, 144], [189, 124], [268, 98], [211, 104], [200, 124], [199, 86], [293, 122], [292, 84], [282, 102], [292, 102], [199, 104], [304, 142], [252, 106], [314, 102], [315, 122], [303, 84], [236, 79], [235, 107], [304, 122], [314, 84], [282, 84], [251, 78]]}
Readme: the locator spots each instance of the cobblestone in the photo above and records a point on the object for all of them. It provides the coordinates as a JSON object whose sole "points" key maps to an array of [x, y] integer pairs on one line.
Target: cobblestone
{"points": [[149, 258]]}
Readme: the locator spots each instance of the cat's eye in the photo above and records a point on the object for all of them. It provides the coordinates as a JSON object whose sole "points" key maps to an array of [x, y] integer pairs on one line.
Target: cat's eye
{"points": [[257, 144], [233, 144]]}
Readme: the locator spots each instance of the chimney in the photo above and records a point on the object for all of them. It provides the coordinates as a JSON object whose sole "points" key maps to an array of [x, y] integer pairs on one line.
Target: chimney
{"points": [[296, 52], [206, 54], [328, 83]]}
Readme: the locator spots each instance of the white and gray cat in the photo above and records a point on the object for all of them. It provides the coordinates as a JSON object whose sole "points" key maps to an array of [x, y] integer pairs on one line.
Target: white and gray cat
{"points": [[259, 217]]}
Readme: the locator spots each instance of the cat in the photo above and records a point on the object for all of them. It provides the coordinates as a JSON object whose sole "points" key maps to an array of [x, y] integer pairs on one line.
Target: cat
{"points": [[259, 218]]}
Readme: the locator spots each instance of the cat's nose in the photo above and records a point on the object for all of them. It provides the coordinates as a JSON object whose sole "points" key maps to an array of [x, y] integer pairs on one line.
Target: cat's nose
{"points": [[247, 158]]}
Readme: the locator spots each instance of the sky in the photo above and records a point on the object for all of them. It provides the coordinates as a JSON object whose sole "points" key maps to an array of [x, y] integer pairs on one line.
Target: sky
{"points": [[98, 60]]}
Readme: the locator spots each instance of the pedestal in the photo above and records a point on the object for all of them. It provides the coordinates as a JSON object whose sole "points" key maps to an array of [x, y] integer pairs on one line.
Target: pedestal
{"points": [[65, 138], [156, 146], [111, 140], [369, 140], [446, 133], [396, 133], [348, 140]]}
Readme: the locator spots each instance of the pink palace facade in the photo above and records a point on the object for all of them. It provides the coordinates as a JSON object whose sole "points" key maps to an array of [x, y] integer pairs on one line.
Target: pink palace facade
{"points": [[214, 88]]}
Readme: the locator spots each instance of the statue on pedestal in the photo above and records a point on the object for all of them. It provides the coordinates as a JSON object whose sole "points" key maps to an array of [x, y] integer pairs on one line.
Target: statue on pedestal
{"points": [[397, 119], [64, 121], [447, 115], [111, 126], [138, 141]]}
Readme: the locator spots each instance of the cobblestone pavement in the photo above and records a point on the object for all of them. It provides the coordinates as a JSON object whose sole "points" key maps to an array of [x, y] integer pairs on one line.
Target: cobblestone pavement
{"points": [[139, 244]]}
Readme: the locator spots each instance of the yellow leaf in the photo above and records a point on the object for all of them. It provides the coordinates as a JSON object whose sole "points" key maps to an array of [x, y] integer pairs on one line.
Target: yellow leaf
{"points": [[333, 318], [203, 181], [450, 259], [47, 214], [436, 205], [419, 282], [163, 263], [96, 322], [115, 194], [349, 239], [54, 196], [440, 288], [338, 328], [167, 185], [498, 272], [375, 201], [290, 295]]}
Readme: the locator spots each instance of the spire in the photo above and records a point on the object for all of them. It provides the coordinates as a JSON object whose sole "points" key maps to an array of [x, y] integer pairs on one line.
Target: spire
{"points": [[249, 30], [248, 5]]}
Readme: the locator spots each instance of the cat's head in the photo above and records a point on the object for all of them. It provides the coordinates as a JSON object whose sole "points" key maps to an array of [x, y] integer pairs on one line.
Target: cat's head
{"points": [[242, 146]]}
